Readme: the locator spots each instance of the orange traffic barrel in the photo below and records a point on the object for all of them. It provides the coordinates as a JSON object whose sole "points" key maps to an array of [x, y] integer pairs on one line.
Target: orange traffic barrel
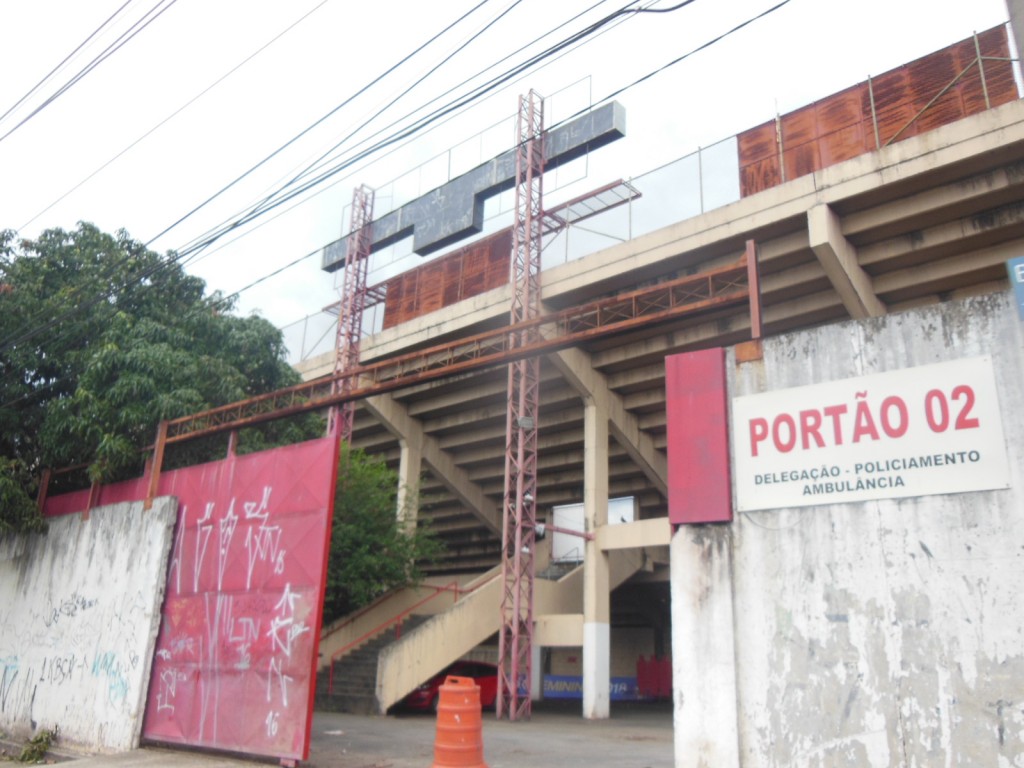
{"points": [[459, 742]]}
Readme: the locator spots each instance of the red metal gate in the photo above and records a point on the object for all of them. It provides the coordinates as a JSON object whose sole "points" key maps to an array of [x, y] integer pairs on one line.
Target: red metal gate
{"points": [[235, 661]]}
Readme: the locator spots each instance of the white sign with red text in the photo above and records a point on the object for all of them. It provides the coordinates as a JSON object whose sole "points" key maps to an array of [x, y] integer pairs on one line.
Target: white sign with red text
{"points": [[921, 431]]}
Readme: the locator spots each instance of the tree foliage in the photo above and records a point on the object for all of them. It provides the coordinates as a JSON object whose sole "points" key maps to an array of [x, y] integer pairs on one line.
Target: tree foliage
{"points": [[372, 551], [100, 339]]}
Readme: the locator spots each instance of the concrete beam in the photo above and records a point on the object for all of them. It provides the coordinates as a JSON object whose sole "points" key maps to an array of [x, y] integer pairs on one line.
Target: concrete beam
{"points": [[397, 420], [576, 366], [558, 630], [654, 532], [838, 258]]}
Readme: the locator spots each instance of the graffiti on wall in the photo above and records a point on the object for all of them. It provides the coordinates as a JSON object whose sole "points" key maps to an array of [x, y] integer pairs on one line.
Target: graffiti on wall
{"points": [[78, 610]]}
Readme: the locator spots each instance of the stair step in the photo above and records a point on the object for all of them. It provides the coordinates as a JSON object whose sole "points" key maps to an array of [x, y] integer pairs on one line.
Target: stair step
{"points": [[355, 675]]}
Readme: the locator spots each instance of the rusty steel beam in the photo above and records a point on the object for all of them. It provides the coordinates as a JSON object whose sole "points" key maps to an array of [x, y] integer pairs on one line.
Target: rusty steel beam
{"points": [[664, 302], [754, 284]]}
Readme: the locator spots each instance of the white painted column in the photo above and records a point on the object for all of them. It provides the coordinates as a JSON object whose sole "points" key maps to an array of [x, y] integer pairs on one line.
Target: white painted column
{"points": [[596, 597], [703, 648], [536, 674], [410, 465]]}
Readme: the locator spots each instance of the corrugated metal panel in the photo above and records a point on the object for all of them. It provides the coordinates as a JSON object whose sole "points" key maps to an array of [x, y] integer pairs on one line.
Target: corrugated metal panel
{"points": [[458, 275], [840, 126]]}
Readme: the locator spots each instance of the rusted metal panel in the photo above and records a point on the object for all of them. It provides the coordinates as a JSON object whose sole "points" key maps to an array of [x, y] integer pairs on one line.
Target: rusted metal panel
{"points": [[458, 275], [757, 144], [431, 287], [452, 291], [802, 159], [845, 143], [923, 94], [800, 127]]}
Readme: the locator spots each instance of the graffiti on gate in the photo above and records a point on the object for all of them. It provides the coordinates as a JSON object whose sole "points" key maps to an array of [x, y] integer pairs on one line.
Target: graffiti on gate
{"points": [[238, 641]]}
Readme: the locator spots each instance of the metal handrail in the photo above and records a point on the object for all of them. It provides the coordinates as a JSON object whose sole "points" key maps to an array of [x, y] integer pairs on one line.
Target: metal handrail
{"points": [[398, 620], [331, 629]]}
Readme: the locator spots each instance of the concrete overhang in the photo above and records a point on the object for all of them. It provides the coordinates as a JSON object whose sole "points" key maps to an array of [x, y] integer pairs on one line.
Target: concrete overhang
{"points": [[971, 145]]}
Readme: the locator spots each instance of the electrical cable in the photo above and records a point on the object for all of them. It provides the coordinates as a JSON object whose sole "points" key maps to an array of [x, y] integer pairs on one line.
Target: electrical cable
{"points": [[491, 85], [65, 60], [124, 38], [295, 138], [242, 218], [179, 110], [397, 121], [606, 98], [391, 140], [314, 166], [26, 332]]}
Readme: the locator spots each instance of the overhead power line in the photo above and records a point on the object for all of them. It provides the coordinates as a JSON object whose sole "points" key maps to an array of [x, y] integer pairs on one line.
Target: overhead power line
{"points": [[309, 128], [64, 61], [150, 16], [38, 325], [420, 125], [605, 99], [179, 110], [203, 237], [283, 194]]}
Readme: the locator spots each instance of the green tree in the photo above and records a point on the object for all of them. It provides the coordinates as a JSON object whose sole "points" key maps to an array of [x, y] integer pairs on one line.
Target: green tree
{"points": [[372, 551], [100, 339]]}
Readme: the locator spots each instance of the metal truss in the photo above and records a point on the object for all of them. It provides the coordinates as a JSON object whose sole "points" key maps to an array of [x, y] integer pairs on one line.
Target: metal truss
{"points": [[519, 510], [351, 309]]}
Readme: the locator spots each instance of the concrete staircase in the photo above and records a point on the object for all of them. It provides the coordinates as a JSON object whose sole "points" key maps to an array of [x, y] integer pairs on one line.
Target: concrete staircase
{"points": [[443, 624], [355, 675], [448, 636]]}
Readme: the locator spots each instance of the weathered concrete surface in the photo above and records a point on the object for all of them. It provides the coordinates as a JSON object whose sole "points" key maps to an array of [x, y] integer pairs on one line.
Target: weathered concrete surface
{"points": [[890, 632], [79, 613]]}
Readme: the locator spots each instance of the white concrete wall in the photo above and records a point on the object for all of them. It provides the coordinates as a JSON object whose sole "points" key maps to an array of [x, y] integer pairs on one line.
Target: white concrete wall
{"points": [[79, 613], [882, 633]]}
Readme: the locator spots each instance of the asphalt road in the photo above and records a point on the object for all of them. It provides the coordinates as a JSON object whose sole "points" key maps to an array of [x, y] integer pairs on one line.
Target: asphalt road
{"points": [[635, 737]]}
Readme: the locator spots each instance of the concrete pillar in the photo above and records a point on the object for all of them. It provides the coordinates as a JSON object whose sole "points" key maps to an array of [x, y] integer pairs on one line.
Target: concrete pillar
{"points": [[596, 597], [410, 465], [536, 673], [703, 648]]}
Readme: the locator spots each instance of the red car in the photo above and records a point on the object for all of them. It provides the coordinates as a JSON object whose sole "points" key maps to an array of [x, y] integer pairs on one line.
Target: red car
{"points": [[426, 696]]}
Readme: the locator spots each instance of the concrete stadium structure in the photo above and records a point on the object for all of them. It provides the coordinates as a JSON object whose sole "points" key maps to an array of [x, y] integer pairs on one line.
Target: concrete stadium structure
{"points": [[865, 257]]}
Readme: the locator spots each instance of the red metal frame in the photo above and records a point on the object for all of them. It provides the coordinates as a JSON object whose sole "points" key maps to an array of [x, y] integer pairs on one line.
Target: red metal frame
{"points": [[515, 638], [691, 295], [754, 286], [395, 621], [351, 309]]}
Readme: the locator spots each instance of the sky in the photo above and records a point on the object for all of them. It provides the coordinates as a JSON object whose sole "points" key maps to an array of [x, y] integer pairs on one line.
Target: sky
{"points": [[215, 104]]}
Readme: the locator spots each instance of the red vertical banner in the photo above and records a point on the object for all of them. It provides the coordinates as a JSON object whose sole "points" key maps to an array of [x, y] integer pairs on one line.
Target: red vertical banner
{"points": [[699, 486]]}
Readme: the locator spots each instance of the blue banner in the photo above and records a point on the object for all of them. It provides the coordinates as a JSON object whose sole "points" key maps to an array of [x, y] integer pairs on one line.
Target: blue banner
{"points": [[1016, 269], [571, 687]]}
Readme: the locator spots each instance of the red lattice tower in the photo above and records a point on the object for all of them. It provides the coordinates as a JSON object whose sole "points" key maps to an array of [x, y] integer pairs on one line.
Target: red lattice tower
{"points": [[352, 307], [519, 515]]}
